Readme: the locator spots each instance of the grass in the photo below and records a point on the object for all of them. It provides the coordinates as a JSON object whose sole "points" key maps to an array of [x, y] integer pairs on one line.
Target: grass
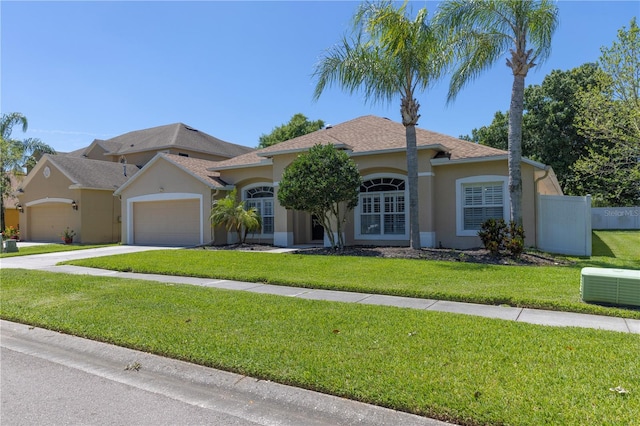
{"points": [[468, 370], [50, 248], [556, 288]]}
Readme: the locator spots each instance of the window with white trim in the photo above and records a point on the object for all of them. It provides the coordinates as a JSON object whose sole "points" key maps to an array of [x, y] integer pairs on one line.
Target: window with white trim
{"points": [[261, 197], [480, 198], [382, 209]]}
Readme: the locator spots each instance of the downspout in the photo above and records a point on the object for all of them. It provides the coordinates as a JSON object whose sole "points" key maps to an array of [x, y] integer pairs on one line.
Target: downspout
{"points": [[535, 199]]}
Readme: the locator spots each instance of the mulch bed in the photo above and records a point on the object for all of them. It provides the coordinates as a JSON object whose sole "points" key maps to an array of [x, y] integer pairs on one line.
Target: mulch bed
{"points": [[470, 256]]}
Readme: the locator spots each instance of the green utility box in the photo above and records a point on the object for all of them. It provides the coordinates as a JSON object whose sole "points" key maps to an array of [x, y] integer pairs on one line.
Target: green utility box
{"points": [[10, 246], [610, 286]]}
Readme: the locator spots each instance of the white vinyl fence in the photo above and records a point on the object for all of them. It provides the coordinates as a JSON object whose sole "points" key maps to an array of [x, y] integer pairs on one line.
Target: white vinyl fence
{"points": [[564, 224], [615, 217]]}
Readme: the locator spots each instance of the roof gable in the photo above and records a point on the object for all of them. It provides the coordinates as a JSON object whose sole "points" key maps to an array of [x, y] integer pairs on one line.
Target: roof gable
{"points": [[196, 167], [84, 173]]}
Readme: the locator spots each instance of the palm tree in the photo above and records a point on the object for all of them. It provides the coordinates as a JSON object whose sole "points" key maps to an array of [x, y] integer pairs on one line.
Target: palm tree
{"points": [[484, 31], [390, 55], [231, 213], [15, 154]]}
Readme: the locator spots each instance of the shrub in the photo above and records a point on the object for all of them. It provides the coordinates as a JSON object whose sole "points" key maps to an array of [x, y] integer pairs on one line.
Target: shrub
{"points": [[497, 237], [514, 240], [492, 234]]}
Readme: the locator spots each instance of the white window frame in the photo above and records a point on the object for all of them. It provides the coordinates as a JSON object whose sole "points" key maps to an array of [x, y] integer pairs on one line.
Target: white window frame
{"points": [[358, 210], [273, 206], [478, 180]]}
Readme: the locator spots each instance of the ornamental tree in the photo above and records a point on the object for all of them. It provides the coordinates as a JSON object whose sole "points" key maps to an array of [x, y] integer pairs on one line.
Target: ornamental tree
{"points": [[324, 182]]}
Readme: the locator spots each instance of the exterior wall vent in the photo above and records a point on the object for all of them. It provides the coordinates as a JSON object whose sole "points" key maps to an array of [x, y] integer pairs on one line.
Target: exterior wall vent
{"points": [[610, 286]]}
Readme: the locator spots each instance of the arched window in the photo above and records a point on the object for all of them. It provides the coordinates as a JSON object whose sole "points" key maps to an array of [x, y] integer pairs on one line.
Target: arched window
{"points": [[382, 208], [261, 197]]}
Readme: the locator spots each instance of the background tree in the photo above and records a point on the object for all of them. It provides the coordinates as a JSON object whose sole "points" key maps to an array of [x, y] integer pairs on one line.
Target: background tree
{"points": [[483, 32], [324, 182], [298, 125], [609, 116], [549, 134], [231, 213], [15, 154], [389, 56]]}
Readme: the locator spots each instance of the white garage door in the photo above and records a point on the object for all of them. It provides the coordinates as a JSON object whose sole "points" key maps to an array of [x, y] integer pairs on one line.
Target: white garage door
{"points": [[48, 221], [175, 223]]}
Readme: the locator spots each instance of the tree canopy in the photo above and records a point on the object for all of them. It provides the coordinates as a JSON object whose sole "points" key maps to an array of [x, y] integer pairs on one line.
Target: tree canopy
{"points": [[15, 154], [609, 116], [298, 125], [324, 182], [389, 56], [482, 32]]}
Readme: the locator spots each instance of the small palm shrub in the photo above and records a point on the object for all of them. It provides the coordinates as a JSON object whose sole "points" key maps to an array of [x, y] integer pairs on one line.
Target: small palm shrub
{"points": [[231, 212]]}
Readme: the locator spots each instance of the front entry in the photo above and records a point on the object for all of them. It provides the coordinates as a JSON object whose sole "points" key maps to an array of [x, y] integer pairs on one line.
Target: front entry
{"points": [[317, 231]]}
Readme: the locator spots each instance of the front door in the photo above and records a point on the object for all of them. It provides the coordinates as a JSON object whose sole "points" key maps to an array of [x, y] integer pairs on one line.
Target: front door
{"points": [[317, 231]]}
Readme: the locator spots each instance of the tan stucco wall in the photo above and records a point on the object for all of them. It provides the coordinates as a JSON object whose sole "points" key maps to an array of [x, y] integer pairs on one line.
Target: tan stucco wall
{"points": [[100, 212], [163, 177], [436, 188], [445, 200]]}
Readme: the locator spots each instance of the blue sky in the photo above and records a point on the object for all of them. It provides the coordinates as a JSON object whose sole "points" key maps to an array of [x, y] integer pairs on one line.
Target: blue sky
{"points": [[85, 70]]}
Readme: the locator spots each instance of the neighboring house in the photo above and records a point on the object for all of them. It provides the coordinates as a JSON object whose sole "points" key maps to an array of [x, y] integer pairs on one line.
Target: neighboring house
{"points": [[76, 190], [460, 184], [64, 191], [11, 204]]}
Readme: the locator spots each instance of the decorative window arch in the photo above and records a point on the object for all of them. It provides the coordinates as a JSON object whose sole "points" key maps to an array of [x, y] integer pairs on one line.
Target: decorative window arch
{"points": [[382, 212], [261, 197], [479, 198]]}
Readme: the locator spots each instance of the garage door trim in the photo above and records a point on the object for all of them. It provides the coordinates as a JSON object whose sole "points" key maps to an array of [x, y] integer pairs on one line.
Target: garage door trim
{"points": [[49, 200], [161, 197]]}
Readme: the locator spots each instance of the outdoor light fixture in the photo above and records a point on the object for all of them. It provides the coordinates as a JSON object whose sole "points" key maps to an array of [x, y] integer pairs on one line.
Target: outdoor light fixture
{"points": [[74, 205], [20, 208]]}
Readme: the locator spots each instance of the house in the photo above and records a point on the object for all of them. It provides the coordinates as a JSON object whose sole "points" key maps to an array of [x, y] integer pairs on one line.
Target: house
{"points": [[11, 205], [460, 184], [76, 190]]}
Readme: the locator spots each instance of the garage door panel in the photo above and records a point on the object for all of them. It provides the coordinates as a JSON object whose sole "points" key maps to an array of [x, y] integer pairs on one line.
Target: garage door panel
{"points": [[166, 222], [48, 221]]}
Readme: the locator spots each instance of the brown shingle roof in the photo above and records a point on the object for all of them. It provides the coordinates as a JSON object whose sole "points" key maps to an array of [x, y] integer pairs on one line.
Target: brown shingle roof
{"points": [[176, 135], [198, 168], [366, 135], [95, 174]]}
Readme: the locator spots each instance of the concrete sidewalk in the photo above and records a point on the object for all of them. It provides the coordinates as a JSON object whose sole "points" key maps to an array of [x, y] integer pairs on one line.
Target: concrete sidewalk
{"points": [[47, 262]]}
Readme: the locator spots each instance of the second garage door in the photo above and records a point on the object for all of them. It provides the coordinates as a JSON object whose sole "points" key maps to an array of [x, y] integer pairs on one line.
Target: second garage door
{"points": [[175, 223]]}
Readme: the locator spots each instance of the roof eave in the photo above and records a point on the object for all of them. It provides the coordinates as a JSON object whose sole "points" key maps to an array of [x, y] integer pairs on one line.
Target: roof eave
{"points": [[266, 162], [447, 161]]}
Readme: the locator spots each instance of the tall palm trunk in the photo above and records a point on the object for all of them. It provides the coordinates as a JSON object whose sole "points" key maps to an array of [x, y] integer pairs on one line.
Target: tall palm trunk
{"points": [[515, 147], [409, 110]]}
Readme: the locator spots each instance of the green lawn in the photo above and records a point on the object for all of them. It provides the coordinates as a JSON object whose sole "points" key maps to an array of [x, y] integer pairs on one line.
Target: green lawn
{"points": [[468, 370], [50, 248], [555, 288]]}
